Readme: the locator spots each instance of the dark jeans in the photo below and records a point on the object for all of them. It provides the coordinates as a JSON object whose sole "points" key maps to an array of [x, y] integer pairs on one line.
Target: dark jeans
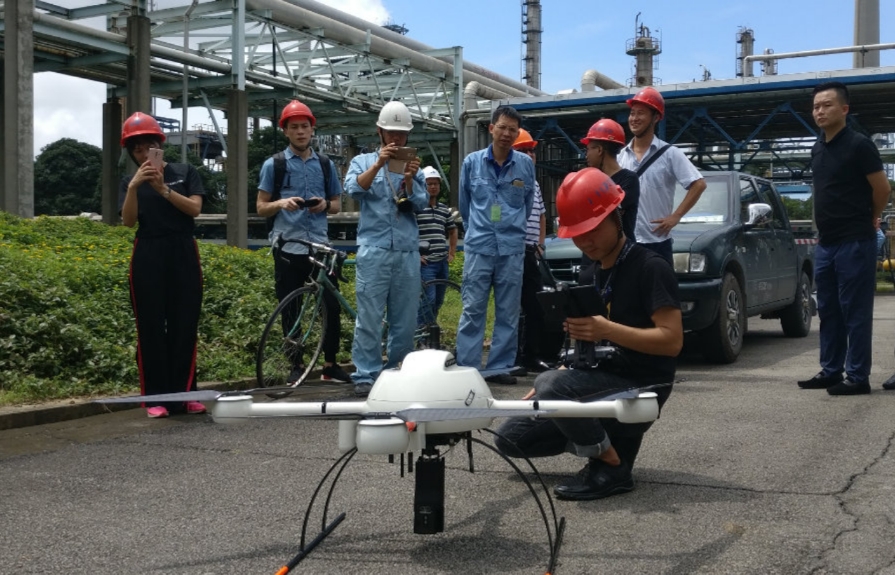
{"points": [[587, 437], [437, 270], [532, 327], [663, 249], [290, 275], [845, 277]]}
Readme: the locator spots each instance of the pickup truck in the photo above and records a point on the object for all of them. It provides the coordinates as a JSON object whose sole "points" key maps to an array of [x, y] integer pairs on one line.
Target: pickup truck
{"points": [[735, 257]]}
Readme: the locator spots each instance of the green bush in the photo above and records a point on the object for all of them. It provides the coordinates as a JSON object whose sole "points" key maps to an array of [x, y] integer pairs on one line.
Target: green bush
{"points": [[66, 324]]}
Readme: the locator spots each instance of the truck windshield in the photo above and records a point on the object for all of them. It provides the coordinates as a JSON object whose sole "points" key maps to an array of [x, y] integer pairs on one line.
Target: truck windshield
{"points": [[713, 206]]}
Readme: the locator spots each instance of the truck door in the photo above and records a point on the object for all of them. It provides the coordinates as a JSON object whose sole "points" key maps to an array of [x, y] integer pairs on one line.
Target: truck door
{"points": [[784, 270], [756, 251]]}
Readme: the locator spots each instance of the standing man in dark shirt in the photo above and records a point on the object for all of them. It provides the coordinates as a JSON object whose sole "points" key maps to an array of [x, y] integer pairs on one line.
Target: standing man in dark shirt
{"points": [[643, 320], [850, 192]]}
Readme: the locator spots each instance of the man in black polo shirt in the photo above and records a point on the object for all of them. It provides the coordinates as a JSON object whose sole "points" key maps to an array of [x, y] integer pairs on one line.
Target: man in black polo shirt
{"points": [[850, 192]]}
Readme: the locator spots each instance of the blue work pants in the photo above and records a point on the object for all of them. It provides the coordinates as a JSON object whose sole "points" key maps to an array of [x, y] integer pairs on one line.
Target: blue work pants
{"points": [[480, 273], [845, 277], [386, 280]]}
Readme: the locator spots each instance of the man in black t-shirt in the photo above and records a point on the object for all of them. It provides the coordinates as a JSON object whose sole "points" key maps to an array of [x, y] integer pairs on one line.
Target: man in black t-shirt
{"points": [[850, 192], [643, 321]]}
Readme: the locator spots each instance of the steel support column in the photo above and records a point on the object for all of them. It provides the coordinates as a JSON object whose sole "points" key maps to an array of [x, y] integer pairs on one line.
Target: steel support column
{"points": [[139, 96], [237, 169], [17, 117], [111, 156]]}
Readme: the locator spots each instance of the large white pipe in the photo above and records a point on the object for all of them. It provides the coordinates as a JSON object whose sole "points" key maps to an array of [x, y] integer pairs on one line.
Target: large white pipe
{"points": [[822, 52], [471, 71], [591, 79]]}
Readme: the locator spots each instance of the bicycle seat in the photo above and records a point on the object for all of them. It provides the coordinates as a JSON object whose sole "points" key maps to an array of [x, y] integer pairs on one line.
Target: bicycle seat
{"points": [[424, 247]]}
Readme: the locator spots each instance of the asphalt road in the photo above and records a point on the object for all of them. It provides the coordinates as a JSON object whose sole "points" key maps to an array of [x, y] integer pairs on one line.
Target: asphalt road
{"points": [[744, 473]]}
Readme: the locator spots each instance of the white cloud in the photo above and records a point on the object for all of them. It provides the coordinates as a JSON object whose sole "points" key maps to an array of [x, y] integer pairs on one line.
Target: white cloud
{"points": [[68, 107]]}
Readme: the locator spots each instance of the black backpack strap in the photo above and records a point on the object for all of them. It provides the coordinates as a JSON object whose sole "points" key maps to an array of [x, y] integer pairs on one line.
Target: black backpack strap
{"points": [[325, 163], [652, 159]]}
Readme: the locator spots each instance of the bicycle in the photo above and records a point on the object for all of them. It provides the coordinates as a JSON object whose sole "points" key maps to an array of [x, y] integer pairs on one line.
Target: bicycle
{"points": [[287, 354]]}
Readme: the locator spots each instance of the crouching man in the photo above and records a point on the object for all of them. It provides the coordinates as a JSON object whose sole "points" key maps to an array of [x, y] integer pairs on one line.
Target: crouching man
{"points": [[639, 290]]}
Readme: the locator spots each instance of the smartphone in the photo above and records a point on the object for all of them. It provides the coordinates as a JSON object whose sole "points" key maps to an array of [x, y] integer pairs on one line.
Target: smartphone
{"points": [[311, 202], [399, 160], [155, 158]]}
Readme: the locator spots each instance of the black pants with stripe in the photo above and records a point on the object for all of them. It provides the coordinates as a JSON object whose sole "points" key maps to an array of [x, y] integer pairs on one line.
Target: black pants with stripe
{"points": [[166, 294]]}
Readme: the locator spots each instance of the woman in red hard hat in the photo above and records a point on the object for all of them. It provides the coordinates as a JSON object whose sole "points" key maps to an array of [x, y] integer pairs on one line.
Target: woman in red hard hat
{"points": [[643, 321], [165, 273]]}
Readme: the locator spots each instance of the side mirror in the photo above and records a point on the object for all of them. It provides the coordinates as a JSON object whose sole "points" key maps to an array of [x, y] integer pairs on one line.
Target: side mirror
{"points": [[759, 214]]}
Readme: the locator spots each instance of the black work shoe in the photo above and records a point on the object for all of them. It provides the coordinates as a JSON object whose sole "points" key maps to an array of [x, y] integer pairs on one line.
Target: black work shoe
{"points": [[295, 375], [596, 481], [820, 381], [849, 387], [538, 366], [501, 379], [519, 371], [362, 389], [889, 384], [335, 373]]}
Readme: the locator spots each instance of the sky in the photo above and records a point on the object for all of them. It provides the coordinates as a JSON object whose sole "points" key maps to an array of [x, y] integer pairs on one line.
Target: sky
{"points": [[577, 35]]}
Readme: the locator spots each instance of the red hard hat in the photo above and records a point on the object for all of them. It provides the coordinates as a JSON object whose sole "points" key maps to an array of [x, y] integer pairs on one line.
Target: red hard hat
{"points": [[296, 108], [140, 124], [584, 200], [605, 130], [524, 141], [650, 97]]}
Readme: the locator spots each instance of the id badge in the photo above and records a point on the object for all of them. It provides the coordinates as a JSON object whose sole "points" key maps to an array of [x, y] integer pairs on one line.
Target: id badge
{"points": [[495, 213]]}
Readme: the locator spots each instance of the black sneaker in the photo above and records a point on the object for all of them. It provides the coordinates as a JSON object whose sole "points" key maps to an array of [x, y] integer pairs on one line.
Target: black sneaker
{"points": [[362, 389], [295, 375], [596, 481], [889, 384], [820, 381], [501, 379], [849, 387], [519, 371], [335, 373]]}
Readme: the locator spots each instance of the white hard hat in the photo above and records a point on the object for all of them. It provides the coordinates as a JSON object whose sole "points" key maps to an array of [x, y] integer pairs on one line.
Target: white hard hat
{"points": [[430, 172], [395, 116]]}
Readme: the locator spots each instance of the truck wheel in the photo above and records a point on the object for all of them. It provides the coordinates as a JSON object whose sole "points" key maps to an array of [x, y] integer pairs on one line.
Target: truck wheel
{"points": [[723, 340], [795, 319]]}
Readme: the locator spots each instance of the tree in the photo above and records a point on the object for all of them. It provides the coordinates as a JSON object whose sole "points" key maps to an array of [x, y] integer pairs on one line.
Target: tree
{"points": [[67, 178], [263, 144]]}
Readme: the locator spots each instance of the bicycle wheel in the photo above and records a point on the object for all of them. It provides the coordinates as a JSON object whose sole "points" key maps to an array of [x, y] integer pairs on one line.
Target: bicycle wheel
{"points": [[437, 325], [292, 340]]}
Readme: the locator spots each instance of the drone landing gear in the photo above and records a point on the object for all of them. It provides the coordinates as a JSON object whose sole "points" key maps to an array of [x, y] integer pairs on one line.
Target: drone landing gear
{"points": [[428, 498]]}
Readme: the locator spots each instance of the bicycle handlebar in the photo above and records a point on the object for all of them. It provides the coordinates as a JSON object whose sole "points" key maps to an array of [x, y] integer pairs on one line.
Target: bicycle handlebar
{"points": [[338, 256]]}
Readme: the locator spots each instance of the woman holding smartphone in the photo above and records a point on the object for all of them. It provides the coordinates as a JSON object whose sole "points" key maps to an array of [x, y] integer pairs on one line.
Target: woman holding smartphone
{"points": [[165, 272]]}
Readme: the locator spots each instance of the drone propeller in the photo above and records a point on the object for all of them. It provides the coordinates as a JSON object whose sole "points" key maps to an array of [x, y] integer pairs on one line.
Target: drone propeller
{"points": [[629, 393], [203, 395]]}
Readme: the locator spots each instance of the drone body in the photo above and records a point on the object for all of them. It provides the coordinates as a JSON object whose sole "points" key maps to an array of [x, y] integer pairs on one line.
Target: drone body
{"points": [[428, 395]]}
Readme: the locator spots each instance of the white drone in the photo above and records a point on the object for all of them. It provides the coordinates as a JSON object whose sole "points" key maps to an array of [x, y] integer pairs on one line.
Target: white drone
{"points": [[428, 402]]}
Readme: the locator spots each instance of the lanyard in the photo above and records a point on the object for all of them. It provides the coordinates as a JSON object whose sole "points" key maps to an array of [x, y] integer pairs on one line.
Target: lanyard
{"points": [[606, 290]]}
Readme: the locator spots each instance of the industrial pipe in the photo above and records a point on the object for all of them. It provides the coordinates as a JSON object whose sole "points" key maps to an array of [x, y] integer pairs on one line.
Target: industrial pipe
{"points": [[591, 79], [471, 71], [822, 52]]}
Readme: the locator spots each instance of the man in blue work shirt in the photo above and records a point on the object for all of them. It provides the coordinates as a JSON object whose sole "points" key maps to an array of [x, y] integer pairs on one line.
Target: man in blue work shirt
{"points": [[293, 219], [496, 195], [388, 259]]}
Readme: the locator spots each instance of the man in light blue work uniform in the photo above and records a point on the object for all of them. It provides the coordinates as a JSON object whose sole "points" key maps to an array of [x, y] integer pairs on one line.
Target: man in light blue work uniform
{"points": [[496, 195], [388, 259]]}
